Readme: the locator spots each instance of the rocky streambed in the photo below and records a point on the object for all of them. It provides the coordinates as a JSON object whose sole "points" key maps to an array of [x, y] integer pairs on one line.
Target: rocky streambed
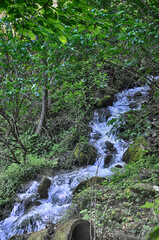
{"points": [[47, 202]]}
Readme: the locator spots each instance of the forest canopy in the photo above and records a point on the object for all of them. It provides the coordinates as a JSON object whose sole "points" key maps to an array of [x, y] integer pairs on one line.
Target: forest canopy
{"points": [[55, 55]]}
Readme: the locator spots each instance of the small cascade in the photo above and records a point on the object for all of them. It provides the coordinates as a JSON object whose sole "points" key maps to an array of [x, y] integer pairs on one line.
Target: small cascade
{"points": [[31, 213]]}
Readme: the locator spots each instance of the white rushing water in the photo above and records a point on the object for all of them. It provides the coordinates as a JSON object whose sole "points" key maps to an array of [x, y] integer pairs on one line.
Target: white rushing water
{"points": [[31, 213]]}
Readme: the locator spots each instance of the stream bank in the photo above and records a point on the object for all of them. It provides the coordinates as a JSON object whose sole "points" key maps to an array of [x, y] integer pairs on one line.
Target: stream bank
{"points": [[103, 146]]}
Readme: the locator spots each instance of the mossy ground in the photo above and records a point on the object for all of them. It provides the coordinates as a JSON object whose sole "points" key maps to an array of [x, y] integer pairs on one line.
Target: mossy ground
{"points": [[115, 206]]}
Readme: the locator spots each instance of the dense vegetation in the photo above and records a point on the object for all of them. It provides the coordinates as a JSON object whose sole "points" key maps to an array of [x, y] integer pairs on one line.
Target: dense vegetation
{"points": [[56, 62]]}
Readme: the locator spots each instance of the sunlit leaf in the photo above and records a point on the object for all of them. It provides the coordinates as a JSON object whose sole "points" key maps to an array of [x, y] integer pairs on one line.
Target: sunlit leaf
{"points": [[60, 27], [148, 205], [31, 35], [63, 39]]}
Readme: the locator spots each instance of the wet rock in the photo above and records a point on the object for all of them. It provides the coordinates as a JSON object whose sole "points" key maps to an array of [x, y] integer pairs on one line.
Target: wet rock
{"points": [[39, 235], [78, 229], [118, 166], [6, 209], [110, 146], [133, 105], [43, 188], [104, 101], [138, 94], [107, 159], [31, 202], [87, 183], [107, 114], [97, 136], [84, 154]]}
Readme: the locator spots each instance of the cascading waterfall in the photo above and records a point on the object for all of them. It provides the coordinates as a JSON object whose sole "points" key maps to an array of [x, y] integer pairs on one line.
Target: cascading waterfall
{"points": [[24, 219]]}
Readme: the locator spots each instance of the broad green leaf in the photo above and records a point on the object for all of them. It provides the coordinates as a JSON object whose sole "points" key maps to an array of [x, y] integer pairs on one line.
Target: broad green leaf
{"points": [[49, 30], [59, 26], [63, 39], [97, 30], [148, 205], [31, 35]]}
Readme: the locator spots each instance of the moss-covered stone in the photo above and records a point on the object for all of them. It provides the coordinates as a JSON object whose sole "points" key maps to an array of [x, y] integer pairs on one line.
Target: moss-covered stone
{"points": [[40, 235], [87, 183], [105, 101], [84, 154], [135, 150]]}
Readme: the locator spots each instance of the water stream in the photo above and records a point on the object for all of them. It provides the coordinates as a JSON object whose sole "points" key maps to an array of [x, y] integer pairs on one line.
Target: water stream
{"points": [[24, 219]]}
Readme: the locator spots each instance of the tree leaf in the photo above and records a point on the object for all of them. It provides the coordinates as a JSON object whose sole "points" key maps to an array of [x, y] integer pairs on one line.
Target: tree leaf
{"points": [[97, 30], [31, 35], [59, 26], [63, 39], [148, 205]]}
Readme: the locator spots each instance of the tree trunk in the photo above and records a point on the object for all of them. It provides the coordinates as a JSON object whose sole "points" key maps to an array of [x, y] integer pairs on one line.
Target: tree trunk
{"points": [[44, 112]]}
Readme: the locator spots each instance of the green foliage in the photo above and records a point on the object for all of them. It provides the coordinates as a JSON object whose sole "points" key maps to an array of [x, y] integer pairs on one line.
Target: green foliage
{"points": [[39, 145], [70, 51], [15, 175], [154, 235], [154, 206], [131, 125]]}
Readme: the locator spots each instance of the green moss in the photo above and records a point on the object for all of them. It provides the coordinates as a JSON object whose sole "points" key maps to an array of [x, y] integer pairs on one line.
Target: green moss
{"points": [[135, 151], [87, 183], [40, 235], [104, 101], [84, 154]]}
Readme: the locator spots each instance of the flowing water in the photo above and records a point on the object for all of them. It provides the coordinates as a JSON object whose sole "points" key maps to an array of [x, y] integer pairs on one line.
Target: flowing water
{"points": [[31, 214]]}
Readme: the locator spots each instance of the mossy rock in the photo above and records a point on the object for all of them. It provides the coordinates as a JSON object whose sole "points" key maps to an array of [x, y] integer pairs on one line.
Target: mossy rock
{"points": [[78, 229], [40, 235], [45, 234], [105, 101], [87, 183], [84, 154], [135, 150], [19, 237]]}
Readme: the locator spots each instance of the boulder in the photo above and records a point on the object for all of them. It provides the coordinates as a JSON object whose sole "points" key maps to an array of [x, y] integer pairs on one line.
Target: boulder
{"points": [[135, 150], [43, 188], [118, 166], [110, 146], [30, 202], [133, 105], [105, 101], [107, 159], [6, 209], [97, 136], [138, 94], [87, 183], [45, 234], [84, 154], [75, 229]]}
